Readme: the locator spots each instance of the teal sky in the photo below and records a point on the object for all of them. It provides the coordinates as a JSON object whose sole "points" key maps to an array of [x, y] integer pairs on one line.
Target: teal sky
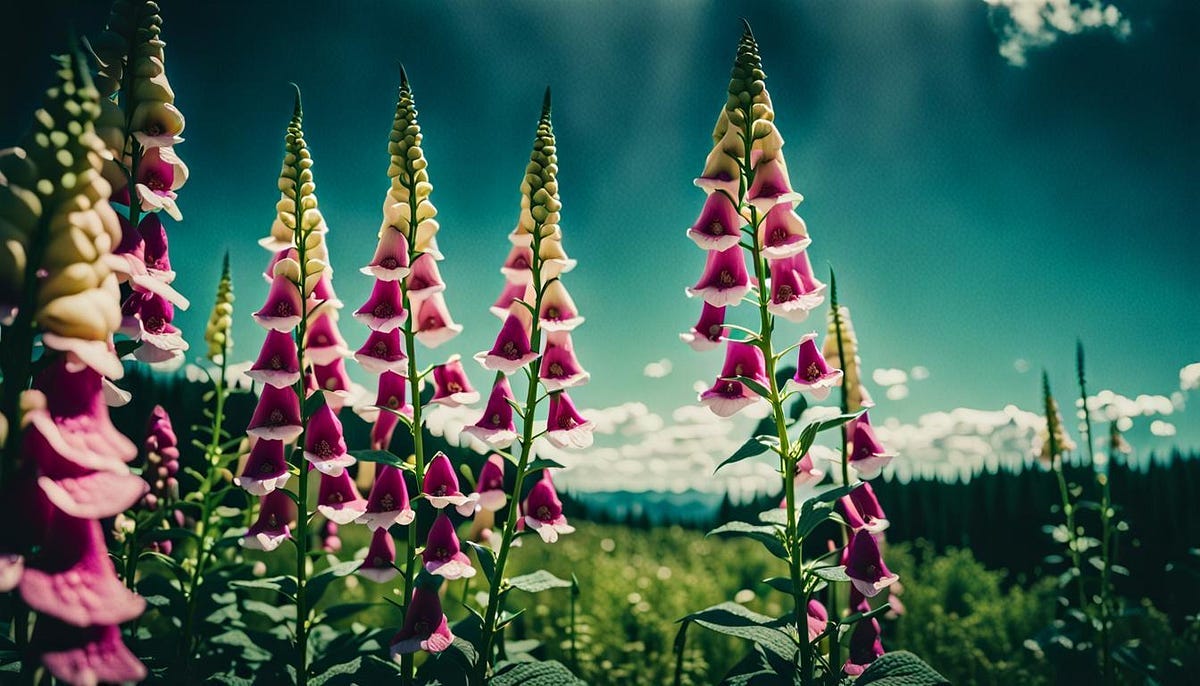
{"points": [[977, 213]]}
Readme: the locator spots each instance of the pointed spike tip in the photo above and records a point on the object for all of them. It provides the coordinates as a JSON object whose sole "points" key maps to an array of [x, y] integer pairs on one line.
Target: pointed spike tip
{"points": [[746, 30], [546, 103], [403, 76], [298, 111]]}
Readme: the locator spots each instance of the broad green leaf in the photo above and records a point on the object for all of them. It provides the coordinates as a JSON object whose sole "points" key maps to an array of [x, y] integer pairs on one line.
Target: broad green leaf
{"points": [[768, 535], [316, 586], [734, 620], [537, 582], [380, 457], [755, 445], [900, 668], [487, 559], [540, 464], [756, 386], [831, 573], [347, 669], [547, 673]]}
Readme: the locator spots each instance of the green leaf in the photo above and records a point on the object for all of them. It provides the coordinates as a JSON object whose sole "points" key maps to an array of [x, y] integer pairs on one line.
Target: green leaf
{"points": [[537, 582], [768, 535], [346, 668], [548, 673], [334, 613], [798, 407], [540, 464], [756, 386], [251, 651], [380, 457], [487, 559], [831, 573], [838, 420], [313, 403], [280, 584], [316, 586], [783, 584], [732, 619], [277, 614], [900, 668], [755, 445]]}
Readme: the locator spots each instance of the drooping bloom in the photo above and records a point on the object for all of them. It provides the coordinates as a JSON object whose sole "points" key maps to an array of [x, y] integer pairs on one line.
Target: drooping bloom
{"points": [[782, 233], [707, 333], [388, 501], [496, 426], [281, 311], [266, 468], [866, 506], [277, 415], [148, 317], [324, 445], [511, 293], [794, 290], [867, 454], [441, 487], [380, 563], [813, 373], [558, 312], [162, 458], [560, 368], [728, 396], [864, 565], [565, 427], [382, 352], [451, 387], [338, 499], [425, 279], [771, 185], [511, 350], [818, 619], [443, 553], [384, 310], [719, 225], [543, 510], [434, 325], [277, 364], [323, 343], [160, 174], [725, 279], [425, 626], [865, 647], [84, 655], [391, 256], [517, 267], [275, 513], [490, 485]]}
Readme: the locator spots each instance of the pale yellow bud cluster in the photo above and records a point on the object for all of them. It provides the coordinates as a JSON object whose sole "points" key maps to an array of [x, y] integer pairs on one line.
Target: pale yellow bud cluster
{"points": [[1062, 444], [407, 201], [541, 209], [219, 332], [55, 219], [856, 395]]}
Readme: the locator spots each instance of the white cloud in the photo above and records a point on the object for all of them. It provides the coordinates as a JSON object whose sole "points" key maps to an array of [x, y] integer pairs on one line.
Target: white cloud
{"points": [[1021, 365], [918, 373], [897, 392], [1160, 428], [889, 377], [1026, 25], [1189, 377], [657, 370]]}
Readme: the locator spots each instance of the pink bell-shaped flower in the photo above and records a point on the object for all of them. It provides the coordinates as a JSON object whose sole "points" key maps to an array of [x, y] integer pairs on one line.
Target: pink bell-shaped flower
{"points": [[148, 317], [451, 386], [728, 396], [791, 297], [324, 445], [277, 364], [277, 415], [281, 311], [496, 426], [322, 294], [518, 266], [818, 619], [84, 655], [707, 333], [426, 278], [382, 352], [441, 487], [560, 369], [866, 509], [443, 553], [721, 170], [334, 380], [865, 647], [782, 233], [391, 257], [266, 468], [323, 343], [558, 311], [338, 499], [434, 325], [719, 226], [388, 502], [276, 258], [725, 280], [383, 429], [867, 454], [543, 510], [159, 175], [384, 309], [276, 511], [490, 485], [864, 565], [380, 563], [155, 250], [813, 374], [565, 427], [425, 626], [771, 186], [511, 293], [511, 350]]}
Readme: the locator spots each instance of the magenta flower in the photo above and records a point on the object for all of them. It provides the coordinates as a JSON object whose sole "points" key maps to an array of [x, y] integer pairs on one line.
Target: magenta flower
{"points": [[719, 226], [160, 174], [334, 381], [388, 501], [147, 317], [382, 430], [543, 510], [727, 397], [380, 563], [490, 485], [707, 333], [277, 364], [393, 394], [324, 445], [517, 267], [155, 248], [443, 553], [818, 619], [725, 280], [425, 279], [434, 325], [496, 426], [266, 468], [277, 415], [338, 498], [276, 511], [565, 427], [808, 475], [382, 352], [441, 487], [511, 350], [782, 233], [281, 311], [865, 647], [558, 311], [451, 386], [511, 293], [560, 368], [384, 310], [391, 257], [328, 535], [425, 626], [288, 253], [864, 565], [813, 373], [84, 655], [791, 298], [323, 343], [323, 294], [771, 186], [867, 454], [867, 509], [721, 171]]}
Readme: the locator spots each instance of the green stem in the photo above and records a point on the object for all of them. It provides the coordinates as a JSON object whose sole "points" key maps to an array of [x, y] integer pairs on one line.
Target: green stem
{"points": [[302, 542], [835, 646], [1105, 524]]}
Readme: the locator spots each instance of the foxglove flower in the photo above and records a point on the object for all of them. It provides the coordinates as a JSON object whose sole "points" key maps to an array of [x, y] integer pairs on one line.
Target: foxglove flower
{"points": [[425, 626], [543, 510], [380, 563], [1045, 449], [719, 226], [147, 318], [388, 502], [275, 513], [728, 396], [818, 619], [334, 380], [512, 293], [281, 311], [864, 565], [441, 487], [328, 536], [782, 233], [865, 647], [794, 291], [559, 368], [865, 505], [558, 312], [496, 427], [451, 386], [338, 499], [160, 174], [443, 553], [518, 266], [266, 468], [84, 655], [490, 485], [725, 280], [434, 325], [707, 333], [867, 454], [771, 186], [324, 445], [813, 373], [425, 279], [565, 427], [384, 310], [277, 364], [277, 415], [323, 343], [382, 352], [162, 458], [391, 256], [511, 350]]}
